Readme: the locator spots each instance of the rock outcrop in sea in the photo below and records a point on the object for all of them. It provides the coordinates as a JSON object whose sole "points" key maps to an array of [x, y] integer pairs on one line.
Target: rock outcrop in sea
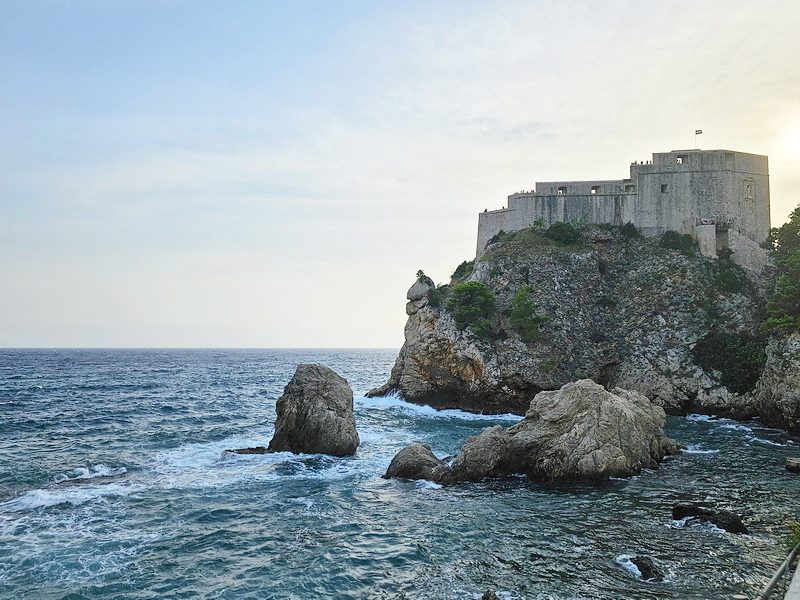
{"points": [[621, 309], [315, 414], [578, 433]]}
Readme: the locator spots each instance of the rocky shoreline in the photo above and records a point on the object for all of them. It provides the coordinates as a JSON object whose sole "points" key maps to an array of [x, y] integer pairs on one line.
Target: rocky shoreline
{"points": [[619, 309]]}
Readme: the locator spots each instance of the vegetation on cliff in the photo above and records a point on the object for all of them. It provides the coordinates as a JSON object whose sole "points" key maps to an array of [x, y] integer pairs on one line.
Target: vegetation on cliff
{"points": [[783, 309], [471, 304]]}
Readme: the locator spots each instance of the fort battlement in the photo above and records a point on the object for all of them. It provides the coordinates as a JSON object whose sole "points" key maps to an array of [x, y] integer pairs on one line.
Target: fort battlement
{"points": [[720, 197]]}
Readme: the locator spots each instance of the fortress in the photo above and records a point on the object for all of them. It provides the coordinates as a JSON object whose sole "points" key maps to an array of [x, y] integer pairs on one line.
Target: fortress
{"points": [[720, 197]]}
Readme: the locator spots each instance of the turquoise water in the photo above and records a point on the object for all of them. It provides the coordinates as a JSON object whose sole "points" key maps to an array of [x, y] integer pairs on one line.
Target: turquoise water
{"points": [[113, 485]]}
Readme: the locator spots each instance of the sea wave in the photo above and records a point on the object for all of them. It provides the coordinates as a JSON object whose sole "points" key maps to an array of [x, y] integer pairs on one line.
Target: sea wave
{"points": [[91, 472], [394, 402], [75, 496]]}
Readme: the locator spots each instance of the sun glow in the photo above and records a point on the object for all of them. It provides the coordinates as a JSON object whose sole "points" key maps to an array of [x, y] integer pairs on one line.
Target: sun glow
{"points": [[791, 140]]}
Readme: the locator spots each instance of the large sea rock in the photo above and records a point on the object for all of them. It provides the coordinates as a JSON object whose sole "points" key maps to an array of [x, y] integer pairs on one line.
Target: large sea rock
{"points": [[315, 414], [581, 432], [622, 311]]}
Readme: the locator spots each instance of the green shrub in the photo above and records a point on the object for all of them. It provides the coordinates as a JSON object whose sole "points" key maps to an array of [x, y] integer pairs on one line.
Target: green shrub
{"points": [[728, 280], [682, 242], [629, 231], [785, 240], [437, 295], [524, 317], [783, 307], [463, 270], [471, 304], [538, 224], [500, 236], [738, 357], [563, 233]]}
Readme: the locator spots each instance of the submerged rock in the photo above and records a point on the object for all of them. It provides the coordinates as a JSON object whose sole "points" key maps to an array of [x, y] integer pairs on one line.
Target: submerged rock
{"points": [[315, 414], [724, 519], [255, 450], [647, 568], [578, 433]]}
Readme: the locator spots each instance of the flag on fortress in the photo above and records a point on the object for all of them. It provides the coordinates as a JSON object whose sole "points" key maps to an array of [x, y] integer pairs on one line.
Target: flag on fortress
{"points": [[698, 131]]}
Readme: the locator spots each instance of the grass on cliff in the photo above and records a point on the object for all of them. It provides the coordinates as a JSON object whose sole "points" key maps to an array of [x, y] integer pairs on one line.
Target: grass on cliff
{"points": [[523, 243]]}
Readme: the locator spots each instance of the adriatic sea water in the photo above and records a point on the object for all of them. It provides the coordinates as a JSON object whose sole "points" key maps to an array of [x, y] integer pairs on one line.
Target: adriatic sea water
{"points": [[113, 484]]}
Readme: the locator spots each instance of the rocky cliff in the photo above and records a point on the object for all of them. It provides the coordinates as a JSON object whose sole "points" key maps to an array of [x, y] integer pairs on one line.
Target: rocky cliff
{"points": [[618, 308]]}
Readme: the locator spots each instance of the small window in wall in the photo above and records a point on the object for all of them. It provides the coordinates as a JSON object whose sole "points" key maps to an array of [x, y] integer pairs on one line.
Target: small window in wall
{"points": [[682, 159], [629, 187], [561, 190], [664, 188], [595, 189], [748, 188]]}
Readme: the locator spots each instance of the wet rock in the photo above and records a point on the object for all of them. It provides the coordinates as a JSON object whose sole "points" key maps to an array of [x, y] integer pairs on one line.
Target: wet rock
{"points": [[315, 414], [648, 569], [724, 519], [255, 450], [490, 595], [417, 461], [793, 465], [578, 433]]}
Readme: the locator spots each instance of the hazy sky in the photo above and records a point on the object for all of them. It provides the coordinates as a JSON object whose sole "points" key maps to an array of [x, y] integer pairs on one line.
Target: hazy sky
{"points": [[274, 173]]}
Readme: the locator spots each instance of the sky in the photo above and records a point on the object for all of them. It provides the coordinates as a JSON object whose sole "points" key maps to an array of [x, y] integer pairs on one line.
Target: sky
{"points": [[273, 174]]}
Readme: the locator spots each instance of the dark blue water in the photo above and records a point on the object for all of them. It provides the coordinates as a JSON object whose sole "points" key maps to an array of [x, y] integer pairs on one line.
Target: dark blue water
{"points": [[113, 485]]}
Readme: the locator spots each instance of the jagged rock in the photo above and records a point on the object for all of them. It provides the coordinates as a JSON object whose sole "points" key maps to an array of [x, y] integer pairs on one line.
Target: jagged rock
{"points": [[623, 312], [420, 289], [578, 433], [724, 519], [490, 595], [647, 568], [777, 393], [315, 414]]}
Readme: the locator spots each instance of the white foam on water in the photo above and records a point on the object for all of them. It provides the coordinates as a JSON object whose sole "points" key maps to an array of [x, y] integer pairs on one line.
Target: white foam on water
{"points": [[76, 495], [91, 472], [427, 485], [394, 402], [697, 449], [696, 417], [754, 438], [624, 561]]}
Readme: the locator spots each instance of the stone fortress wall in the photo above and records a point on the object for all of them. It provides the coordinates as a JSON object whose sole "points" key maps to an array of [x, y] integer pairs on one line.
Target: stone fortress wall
{"points": [[718, 196]]}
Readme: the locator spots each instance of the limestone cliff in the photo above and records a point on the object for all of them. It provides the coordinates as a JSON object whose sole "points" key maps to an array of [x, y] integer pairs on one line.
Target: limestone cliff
{"points": [[620, 309]]}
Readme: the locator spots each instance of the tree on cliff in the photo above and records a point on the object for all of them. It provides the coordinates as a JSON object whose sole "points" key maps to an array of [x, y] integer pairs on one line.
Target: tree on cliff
{"points": [[471, 304], [783, 309], [524, 316]]}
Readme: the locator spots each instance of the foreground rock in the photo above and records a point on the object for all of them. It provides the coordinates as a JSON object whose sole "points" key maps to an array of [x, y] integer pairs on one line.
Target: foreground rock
{"points": [[315, 414], [578, 433], [724, 519]]}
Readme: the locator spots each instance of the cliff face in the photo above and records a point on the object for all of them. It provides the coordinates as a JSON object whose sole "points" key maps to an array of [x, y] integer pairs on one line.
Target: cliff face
{"points": [[623, 311]]}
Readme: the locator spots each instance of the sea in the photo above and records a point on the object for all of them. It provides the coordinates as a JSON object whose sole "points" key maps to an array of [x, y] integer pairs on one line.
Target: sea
{"points": [[114, 483]]}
